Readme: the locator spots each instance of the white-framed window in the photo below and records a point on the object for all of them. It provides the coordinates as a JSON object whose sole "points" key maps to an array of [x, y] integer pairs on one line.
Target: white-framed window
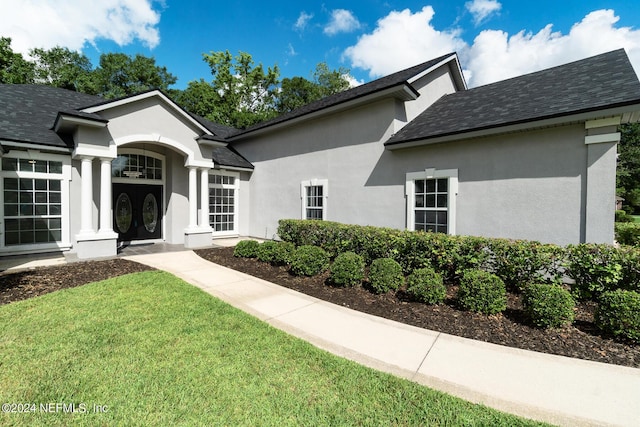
{"points": [[431, 200], [139, 165], [314, 194], [224, 187], [34, 201]]}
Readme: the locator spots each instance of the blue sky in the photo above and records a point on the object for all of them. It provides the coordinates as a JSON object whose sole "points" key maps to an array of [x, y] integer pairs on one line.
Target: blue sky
{"points": [[495, 39]]}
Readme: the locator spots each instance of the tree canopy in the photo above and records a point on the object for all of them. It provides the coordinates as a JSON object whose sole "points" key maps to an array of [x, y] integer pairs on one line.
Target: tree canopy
{"points": [[628, 172]]}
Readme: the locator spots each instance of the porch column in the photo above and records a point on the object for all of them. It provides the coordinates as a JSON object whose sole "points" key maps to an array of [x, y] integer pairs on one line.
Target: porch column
{"points": [[193, 198], [105, 196], [204, 198], [86, 196]]}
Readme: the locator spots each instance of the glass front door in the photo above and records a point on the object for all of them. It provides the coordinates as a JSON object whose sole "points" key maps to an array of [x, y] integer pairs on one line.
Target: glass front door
{"points": [[137, 211]]}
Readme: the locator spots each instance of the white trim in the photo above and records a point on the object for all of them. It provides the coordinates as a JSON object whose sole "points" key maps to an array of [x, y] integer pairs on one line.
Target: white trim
{"points": [[168, 142], [598, 123], [599, 139], [303, 195], [64, 119], [39, 147], [430, 173], [236, 201], [143, 96], [445, 61]]}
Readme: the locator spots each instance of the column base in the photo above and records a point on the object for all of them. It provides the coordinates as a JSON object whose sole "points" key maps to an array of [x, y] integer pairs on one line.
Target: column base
{"points": [[197, 238], [98, 245]]}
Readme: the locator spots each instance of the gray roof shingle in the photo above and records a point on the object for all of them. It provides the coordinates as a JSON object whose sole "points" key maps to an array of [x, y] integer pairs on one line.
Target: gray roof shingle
{"points": [[372, 87], [602, 81], [28, 112]]}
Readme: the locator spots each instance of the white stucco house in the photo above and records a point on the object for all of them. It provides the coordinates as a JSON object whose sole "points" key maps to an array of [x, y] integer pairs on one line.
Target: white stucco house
{"points": [[533, 157]]}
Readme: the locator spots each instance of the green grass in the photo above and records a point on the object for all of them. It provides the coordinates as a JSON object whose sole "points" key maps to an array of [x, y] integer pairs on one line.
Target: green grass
{"points": [[157, 351], [636, 218]]}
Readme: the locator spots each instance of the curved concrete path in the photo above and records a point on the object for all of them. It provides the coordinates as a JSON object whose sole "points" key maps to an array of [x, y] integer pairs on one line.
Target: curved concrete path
{"points": [[556, 389]]}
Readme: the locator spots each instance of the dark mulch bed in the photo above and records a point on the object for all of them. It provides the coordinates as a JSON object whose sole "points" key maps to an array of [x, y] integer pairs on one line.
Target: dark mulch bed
{"points": [[582, 340], [39, 281]]}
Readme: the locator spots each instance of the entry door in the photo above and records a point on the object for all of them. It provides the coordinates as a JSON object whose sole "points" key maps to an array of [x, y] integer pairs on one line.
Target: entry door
{"points": [[137, 211]]}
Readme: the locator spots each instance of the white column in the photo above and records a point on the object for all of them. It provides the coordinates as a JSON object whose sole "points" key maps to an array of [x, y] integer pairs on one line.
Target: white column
{"points": [[204, 198], [193, 198], [86, 199], [105, 196]]}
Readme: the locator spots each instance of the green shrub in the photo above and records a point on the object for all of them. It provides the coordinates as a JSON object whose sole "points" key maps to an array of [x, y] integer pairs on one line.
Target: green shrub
{"points": [[482, 292], [246, 249], [619, 314], [347, 269], [548, 306], [425, 285], [282, 253], [622, 216], [385, 275], [596, 268], [309, 260], [630, 263], [628, 233], [265, 251]]}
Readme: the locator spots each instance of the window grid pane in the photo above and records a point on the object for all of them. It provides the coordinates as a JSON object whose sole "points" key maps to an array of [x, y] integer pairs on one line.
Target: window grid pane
{"points": [[314, 202], [431, 205], [32, 210], [136, 166], [221, 208]]}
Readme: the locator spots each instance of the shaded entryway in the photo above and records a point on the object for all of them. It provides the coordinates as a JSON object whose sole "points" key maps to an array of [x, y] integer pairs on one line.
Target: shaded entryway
{"points": [[137, 211]]}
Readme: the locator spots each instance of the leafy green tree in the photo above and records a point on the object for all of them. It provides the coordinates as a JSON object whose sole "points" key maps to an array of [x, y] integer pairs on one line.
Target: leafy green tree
{"points": [[628, 172], [13, 67], [121, 75], [61, 67]]}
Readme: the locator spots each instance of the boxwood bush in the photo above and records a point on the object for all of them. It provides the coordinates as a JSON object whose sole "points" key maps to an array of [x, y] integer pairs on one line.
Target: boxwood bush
{"points": [[596, 268], [347, 269], [276, 253], [628, 233], [618, 313], [246, 249], [482, 292], [548, 306], [425, 285], [385, 275], [265, 251], [309, 260]]}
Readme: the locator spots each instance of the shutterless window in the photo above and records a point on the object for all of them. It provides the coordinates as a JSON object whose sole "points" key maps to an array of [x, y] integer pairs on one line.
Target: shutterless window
{"points": [[314, 202], [222, 202], [431, 205]]}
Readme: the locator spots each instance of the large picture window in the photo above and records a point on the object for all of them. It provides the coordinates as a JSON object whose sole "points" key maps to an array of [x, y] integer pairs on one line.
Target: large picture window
{"points": [[34, 187], [223, 202], [314, 195], [431, 200]]}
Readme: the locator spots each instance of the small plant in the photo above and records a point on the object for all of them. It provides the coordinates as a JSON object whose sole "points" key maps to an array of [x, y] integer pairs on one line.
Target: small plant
{"points": [[548, 306], [482, 292], [282, 253], [246, 249], [385, 275], [265, 251], [425, 285], [347, 269], [619, 314], [309, 260]]}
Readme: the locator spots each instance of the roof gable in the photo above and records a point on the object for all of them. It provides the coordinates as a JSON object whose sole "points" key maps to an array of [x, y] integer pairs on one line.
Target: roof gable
{"points": [[592, 84]]}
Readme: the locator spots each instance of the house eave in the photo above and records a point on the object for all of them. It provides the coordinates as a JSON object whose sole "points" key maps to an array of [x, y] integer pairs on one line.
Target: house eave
{"points": [[627, 114], [458, 76], [64, 122], [7, 144]]}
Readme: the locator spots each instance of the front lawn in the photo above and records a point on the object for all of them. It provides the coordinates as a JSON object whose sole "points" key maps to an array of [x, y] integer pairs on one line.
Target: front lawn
{"points": [[150, 349]]}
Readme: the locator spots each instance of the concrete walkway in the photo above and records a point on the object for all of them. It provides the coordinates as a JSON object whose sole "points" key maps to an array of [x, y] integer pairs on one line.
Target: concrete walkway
{"points": [[556, 389]]}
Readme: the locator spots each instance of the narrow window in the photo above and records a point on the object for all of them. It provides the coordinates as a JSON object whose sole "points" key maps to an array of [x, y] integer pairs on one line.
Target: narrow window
{"points": [[431, 200], [314, 195]]}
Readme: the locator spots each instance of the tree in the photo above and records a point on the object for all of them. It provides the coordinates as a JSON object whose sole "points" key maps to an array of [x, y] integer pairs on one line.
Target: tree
{"points": [[63, 68], [120, 75], [298, 91], [628, 171], [13, 67]]}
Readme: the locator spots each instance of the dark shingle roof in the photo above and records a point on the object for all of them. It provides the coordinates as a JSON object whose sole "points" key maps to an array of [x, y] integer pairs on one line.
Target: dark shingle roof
{"points": [[378, 85], [602, 81], [28, 112], [229, 157]]}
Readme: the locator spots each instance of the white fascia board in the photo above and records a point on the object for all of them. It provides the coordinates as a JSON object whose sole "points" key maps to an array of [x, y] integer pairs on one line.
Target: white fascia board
{"points": [[146, 95], [233, 168], [459, 78], [27, 145], [520, 127], [211, 143], [402, 91], [64, 119]]}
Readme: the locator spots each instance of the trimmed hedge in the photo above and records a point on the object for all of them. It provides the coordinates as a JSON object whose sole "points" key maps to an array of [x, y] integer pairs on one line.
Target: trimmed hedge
{"points": [[548, 306], [425, 285], [628, 233], [309, 260], [622, 216], [385, 275], [347, 269], [482, 292], [619, 314], [595, 268], [276, 253], [246, 249]]}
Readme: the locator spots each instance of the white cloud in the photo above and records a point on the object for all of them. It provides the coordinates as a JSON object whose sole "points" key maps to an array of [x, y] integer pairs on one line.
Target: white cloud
{"points": [[482, 9], [342, 21], [302, 21], [353, 82], [291, 51], [400, 40], [495, 55], [73, 23], [403, 39]]}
